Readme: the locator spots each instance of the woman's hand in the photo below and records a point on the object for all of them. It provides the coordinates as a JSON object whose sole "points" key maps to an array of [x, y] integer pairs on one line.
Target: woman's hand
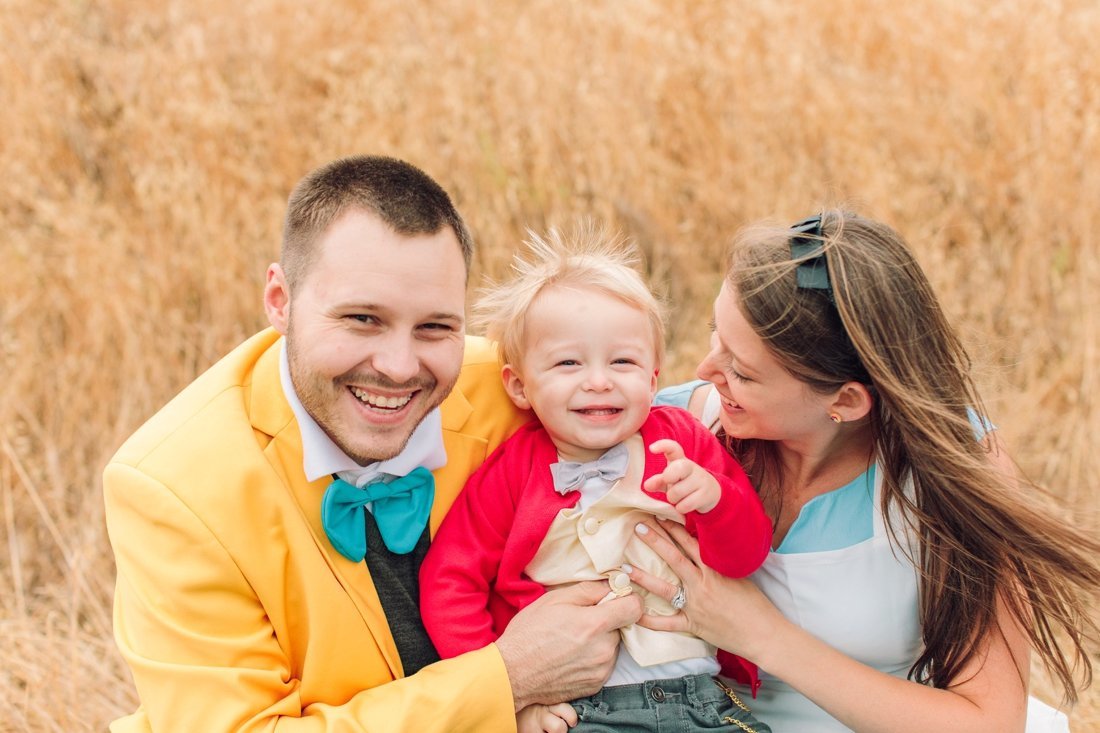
{"points": [[730, 613], [735, 616]]}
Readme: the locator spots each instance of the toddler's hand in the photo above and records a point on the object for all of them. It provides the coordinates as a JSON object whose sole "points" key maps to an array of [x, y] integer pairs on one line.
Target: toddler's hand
{"points": [[688, 486], [546, 718]]}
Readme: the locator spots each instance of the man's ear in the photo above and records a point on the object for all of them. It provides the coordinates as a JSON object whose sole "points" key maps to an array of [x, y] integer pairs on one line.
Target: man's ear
{"points": [[513, 385], [277, 298], [852, 402]]}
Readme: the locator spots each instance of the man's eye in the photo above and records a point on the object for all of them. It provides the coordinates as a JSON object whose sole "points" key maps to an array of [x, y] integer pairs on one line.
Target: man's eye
{"points": [[363, 318], [436, 331]]}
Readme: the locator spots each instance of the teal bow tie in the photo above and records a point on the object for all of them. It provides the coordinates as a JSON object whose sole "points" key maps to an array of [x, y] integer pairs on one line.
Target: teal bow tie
{"points": [[401, 509]]}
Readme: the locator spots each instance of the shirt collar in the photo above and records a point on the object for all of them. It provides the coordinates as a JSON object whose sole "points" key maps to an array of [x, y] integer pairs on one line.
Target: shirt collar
{"points": [[322, 457]]}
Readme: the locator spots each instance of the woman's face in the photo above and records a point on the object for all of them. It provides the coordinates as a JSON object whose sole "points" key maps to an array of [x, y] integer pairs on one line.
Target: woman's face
{"points": [[760, 399]]}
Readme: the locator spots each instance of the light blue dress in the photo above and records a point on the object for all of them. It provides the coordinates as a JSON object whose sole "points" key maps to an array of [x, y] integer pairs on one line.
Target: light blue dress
{"points": [[838, 575]]}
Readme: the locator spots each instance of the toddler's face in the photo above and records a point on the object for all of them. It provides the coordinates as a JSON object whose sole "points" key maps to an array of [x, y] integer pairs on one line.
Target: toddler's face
{"points": [[589, 370]]}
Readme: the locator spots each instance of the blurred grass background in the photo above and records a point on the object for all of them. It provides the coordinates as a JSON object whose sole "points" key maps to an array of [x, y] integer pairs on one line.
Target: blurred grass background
{"points": [[147, 150]]}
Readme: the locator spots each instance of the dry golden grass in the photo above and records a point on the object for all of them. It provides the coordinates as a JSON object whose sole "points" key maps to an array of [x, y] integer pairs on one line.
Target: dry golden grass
{"points": [[148, 149]]}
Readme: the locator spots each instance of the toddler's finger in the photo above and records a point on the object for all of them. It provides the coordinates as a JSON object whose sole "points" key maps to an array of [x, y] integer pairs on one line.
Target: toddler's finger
{"points": [[672, 450], [657, 483], [566, 712]]}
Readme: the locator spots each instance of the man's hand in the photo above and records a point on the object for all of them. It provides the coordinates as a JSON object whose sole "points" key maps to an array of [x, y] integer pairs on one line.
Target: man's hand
{"points": [[688, 486], [563, 645]]}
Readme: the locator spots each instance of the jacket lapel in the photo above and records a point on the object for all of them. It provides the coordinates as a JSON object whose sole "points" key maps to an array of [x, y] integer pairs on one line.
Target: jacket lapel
{"points": [[271, 414], [464, 454]]}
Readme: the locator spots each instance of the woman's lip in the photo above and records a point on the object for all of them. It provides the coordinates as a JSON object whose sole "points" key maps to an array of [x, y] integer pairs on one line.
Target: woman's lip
{"points": [[728, 404]]}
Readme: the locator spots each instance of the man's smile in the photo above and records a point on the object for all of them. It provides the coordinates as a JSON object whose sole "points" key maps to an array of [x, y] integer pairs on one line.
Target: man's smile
{"points": [[380, 401]]}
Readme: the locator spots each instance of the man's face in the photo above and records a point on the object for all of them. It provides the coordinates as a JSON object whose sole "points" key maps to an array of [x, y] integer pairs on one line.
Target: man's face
{"points": [[374, 331]]}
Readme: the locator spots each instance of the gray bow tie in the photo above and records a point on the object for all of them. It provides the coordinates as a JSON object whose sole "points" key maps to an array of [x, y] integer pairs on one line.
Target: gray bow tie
{"points": [[569, 475]]}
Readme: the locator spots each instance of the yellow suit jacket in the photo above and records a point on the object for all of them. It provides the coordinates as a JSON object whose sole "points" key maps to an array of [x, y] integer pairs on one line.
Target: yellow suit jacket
{"points": [[232, 609]]}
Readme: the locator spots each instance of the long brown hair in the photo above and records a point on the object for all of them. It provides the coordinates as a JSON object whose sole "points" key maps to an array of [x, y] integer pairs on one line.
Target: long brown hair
{"points": [[982, 536]]}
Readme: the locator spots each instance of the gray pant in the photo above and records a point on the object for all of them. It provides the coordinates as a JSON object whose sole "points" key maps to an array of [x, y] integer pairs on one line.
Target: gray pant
{"points": [[685, 705]]}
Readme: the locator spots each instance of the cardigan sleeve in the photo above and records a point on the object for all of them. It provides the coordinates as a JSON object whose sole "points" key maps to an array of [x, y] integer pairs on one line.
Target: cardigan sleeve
{"points": [[734, 536], [464, 559]]}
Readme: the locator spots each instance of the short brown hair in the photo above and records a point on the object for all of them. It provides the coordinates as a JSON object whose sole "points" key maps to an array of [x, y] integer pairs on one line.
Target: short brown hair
{"points": [[400, 194]]}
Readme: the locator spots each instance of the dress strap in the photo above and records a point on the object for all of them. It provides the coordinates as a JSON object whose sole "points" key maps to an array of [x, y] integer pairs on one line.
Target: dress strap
{"points": [[876, 500], [897, 519], [711, 407]]}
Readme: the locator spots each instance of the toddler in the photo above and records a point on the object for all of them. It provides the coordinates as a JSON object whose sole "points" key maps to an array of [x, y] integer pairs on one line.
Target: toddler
{"points": [[581, 338]]}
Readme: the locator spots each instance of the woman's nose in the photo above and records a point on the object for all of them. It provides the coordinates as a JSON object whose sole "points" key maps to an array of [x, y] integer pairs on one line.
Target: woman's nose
{"points": [[707, 368]]}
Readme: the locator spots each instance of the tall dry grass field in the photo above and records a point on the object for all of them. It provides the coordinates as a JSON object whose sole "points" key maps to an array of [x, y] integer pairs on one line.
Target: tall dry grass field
{"points": [[147, 150]]}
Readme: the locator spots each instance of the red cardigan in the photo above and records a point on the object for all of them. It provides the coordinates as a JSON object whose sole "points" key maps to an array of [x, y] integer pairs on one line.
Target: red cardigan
{"points": [[472, 581]]}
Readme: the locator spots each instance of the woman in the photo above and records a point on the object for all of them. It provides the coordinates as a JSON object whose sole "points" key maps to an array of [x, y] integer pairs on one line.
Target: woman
{"points": [[912, 572]]}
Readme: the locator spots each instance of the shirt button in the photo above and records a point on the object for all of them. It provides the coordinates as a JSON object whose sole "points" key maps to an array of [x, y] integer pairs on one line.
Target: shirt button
{"points": [[591, 525], [657, 694], [620, 583]]}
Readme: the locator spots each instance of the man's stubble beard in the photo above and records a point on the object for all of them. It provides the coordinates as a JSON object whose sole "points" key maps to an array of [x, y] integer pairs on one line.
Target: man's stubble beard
{"points": [[311, 389]]}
